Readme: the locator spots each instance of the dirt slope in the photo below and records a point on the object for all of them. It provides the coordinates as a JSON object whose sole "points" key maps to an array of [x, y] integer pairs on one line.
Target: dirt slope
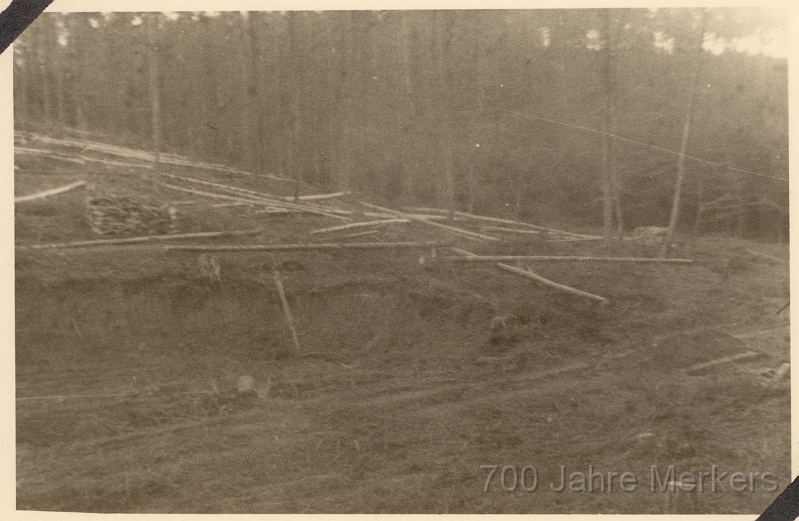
{"points": [[410, 377]]}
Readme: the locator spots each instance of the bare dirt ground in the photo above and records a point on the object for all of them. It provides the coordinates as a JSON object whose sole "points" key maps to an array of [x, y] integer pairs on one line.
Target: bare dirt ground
{"points": [[127, 359]]}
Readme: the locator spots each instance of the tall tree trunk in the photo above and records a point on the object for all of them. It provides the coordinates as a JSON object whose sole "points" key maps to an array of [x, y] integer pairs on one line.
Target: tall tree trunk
{"points": [[155, 89], [700, 210], [74, 66], [675, 208], [352, 71], [22, 83], [478, 26], [296, 127], [607, 184], [43, 57], [444, 29], [253, 118], [560, 44], [615, 181], [615, 177], [409, 165], [519, 189], [277, 70], [58, 59]]}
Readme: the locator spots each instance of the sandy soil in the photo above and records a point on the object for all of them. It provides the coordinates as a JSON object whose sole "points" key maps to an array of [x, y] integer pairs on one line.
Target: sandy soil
{"points": [[407, 385]]}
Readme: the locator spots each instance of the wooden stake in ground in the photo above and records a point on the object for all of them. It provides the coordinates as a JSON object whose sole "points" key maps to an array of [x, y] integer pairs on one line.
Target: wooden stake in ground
{"points": [[287, 312], [48, 193]]}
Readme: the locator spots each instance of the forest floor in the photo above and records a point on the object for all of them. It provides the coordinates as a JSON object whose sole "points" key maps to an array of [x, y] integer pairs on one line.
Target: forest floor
{"points": [[408, 383]]}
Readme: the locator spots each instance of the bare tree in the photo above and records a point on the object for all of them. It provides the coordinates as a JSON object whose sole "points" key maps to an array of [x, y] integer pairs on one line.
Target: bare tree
{"points": [[607, 186], [686, 133], [408, 170], [443, 33], [155, 89], [253, 118], [296, 128]]}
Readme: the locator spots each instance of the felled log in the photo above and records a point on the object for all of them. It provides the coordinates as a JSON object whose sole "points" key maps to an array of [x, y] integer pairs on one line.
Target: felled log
{"points": [[513, 230], [276, 204], [358, 225], [417, 216], [240, 200], [227, 205], [134, 240], [48, 193], [265, 197], [547, 282], [537, 278], [318, 197], [424, 209], [115, 163], [242, 192], [506, 221], [140, 155], [527, 225], [370, 232], [299, 247], [552, 258], [48, 153], [459, 231]]}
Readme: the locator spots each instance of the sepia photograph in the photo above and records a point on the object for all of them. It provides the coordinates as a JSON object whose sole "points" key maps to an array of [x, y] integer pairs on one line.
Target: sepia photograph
{"points": [[468, 261]]}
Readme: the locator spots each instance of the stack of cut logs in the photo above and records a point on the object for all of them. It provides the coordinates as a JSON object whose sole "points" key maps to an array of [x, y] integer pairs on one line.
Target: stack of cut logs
{"points": [[116, 215]]}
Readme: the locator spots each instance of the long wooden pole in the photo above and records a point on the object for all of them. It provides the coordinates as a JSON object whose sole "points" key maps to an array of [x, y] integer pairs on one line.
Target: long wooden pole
{"points": [[243, 193], [401, 215], [240, 199], [536, 277], [227, 188], [504, 258], [282, 205], [359, 225], [318, 197], [135, 240], [301, 247], [547, 282], [466, 215], [48, 193], [527, 225], [512, 230]]}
